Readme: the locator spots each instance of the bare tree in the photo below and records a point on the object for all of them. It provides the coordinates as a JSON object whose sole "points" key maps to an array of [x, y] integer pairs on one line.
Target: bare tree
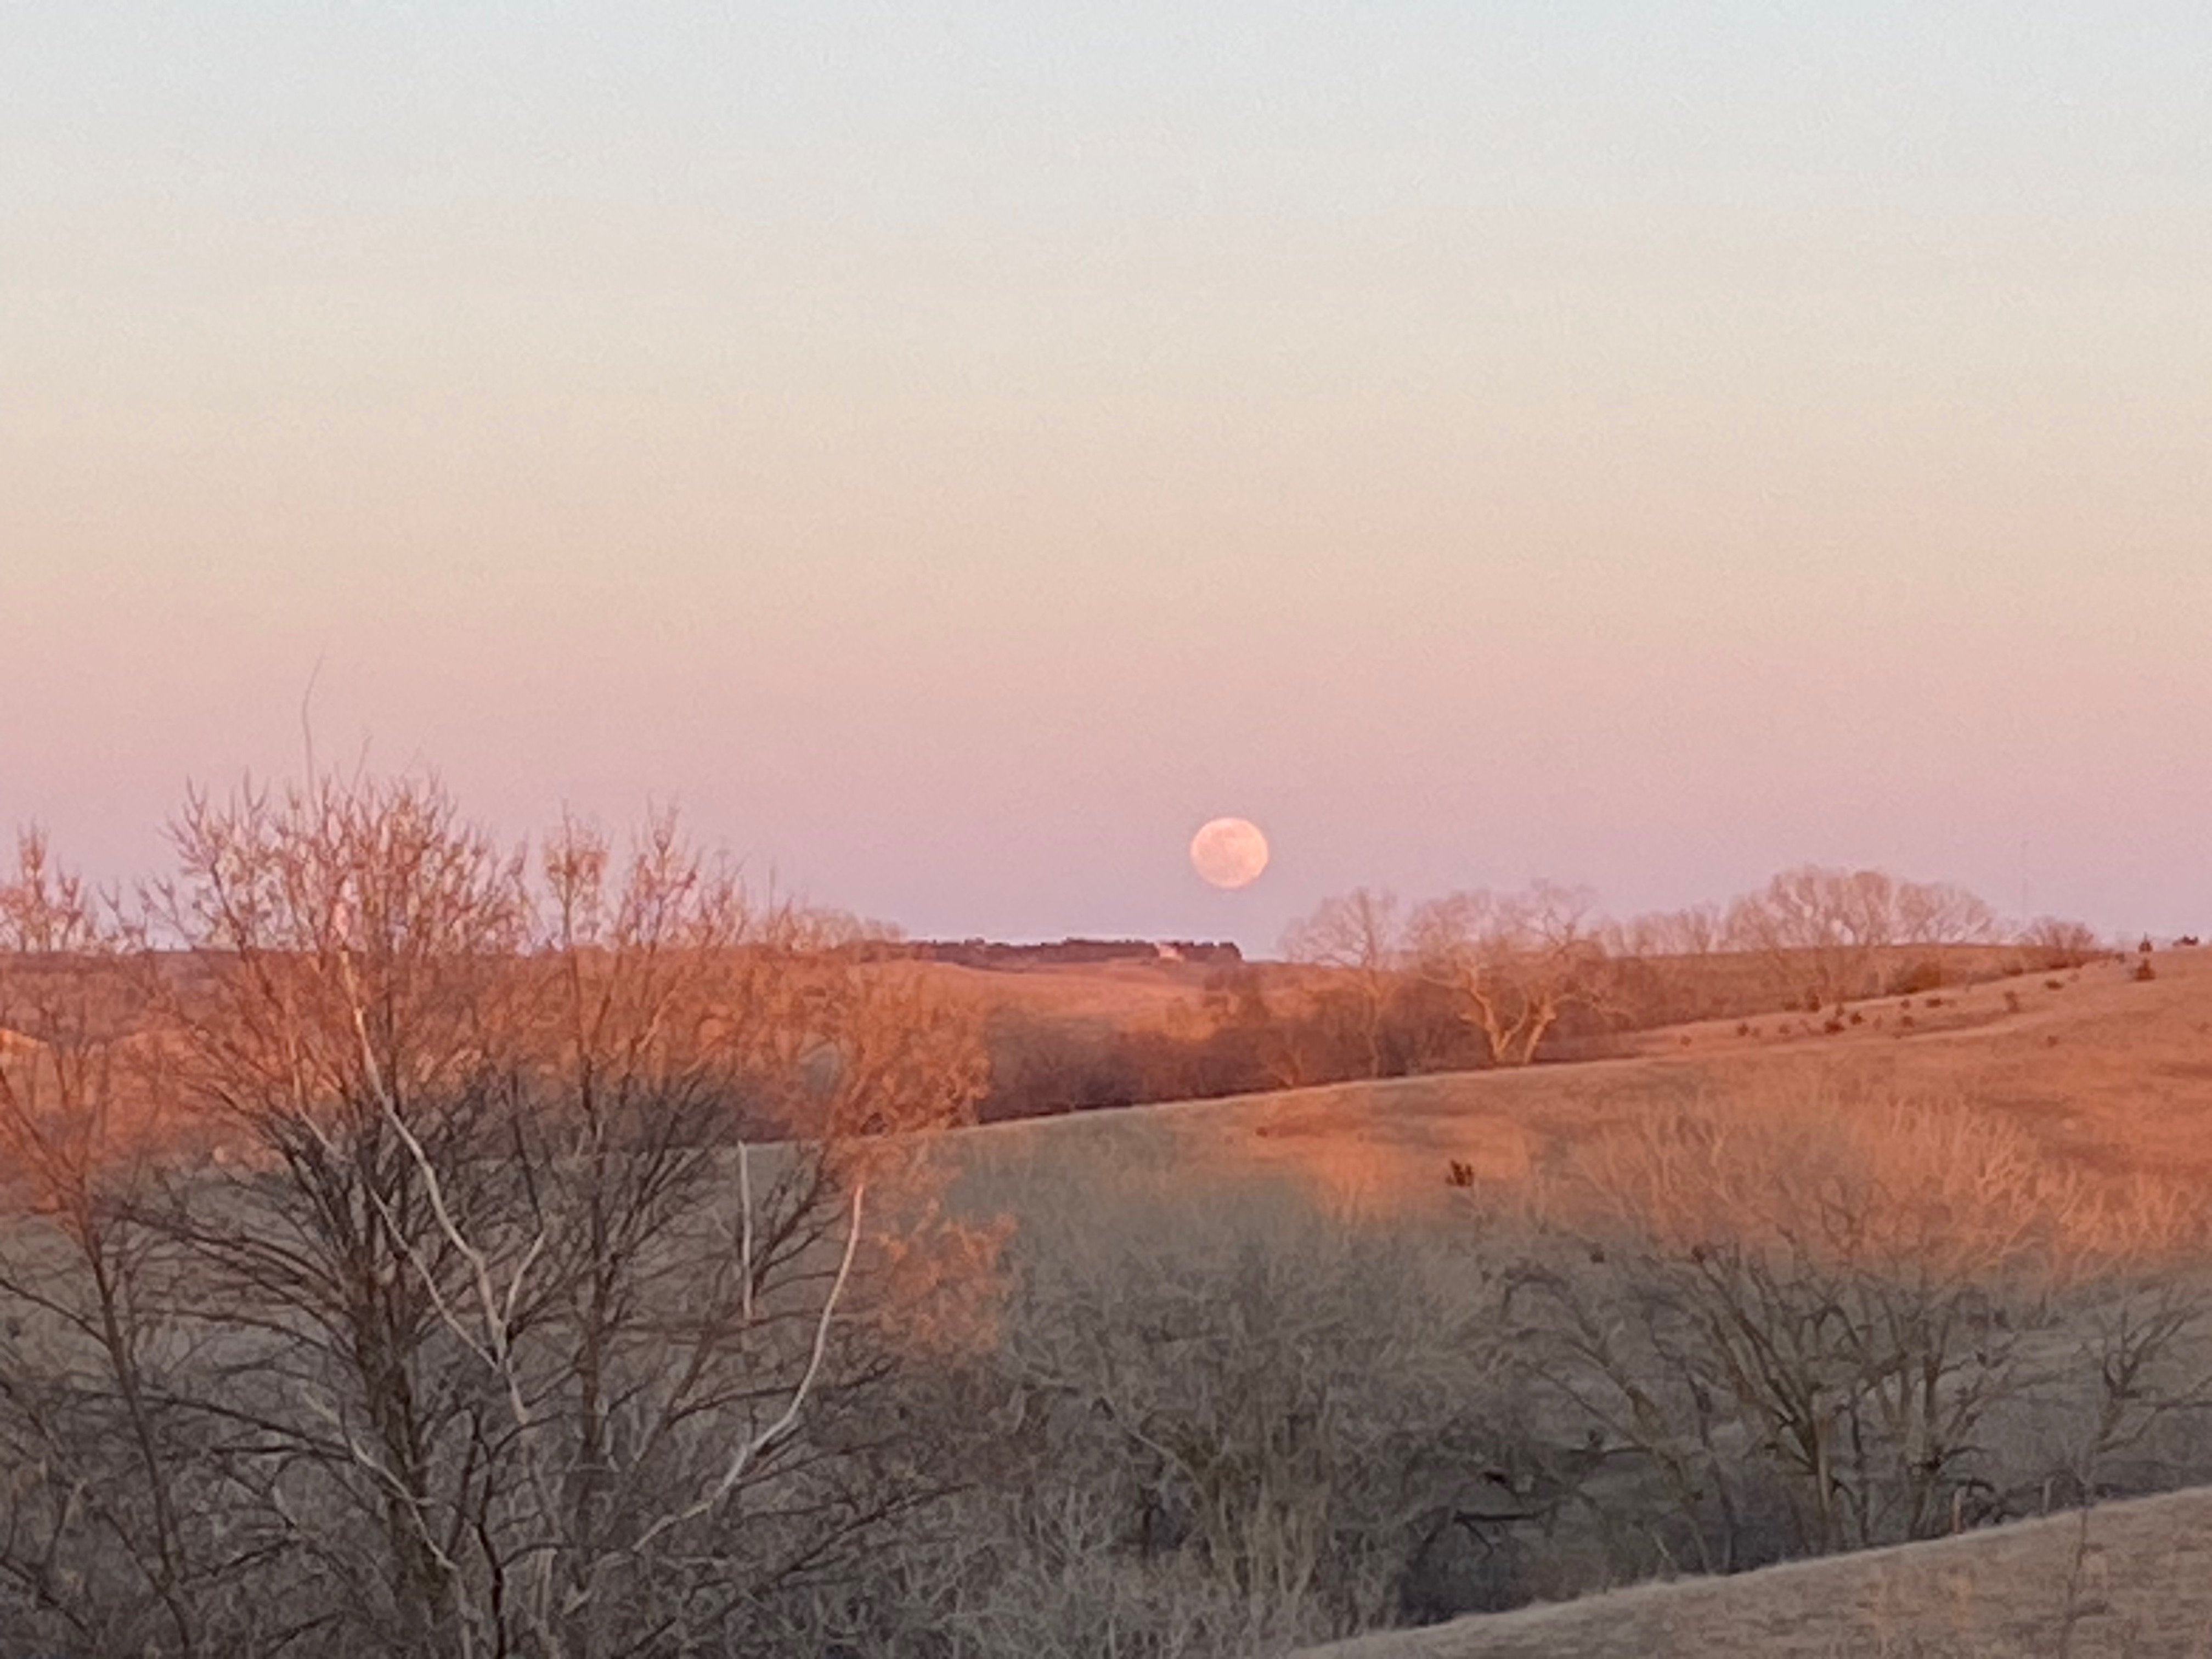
{"points": [[510, 1332], [1359, 937], [1836, 1297], [98, 1543], [1698, 931], [1513, 964], [349, 1027], [1819, 931], [1940, 913], [1823, 933]]}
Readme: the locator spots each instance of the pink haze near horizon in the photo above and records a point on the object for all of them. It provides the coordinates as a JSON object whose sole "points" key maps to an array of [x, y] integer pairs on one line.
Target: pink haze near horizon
{"points": [[953, 458]]}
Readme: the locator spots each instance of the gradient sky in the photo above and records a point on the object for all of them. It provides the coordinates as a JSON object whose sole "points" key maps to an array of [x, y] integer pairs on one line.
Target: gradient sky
{"points": [[954, 450]]}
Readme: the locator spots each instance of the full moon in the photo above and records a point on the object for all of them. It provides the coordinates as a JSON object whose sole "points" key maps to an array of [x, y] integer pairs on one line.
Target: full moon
{"points": [[1229, 852]]}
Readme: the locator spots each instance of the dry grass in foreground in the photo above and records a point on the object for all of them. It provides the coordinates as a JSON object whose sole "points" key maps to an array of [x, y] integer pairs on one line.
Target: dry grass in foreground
{"points": [[2131, 1580]]}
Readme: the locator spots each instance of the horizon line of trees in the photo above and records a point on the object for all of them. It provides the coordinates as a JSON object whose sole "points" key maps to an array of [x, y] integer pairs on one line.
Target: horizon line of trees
{"points": [[1370, 987], [1376, 988], [1513, 969]]}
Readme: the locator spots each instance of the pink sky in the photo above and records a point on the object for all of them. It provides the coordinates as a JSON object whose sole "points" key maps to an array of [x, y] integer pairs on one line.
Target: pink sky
{"points": [[952, 507]]}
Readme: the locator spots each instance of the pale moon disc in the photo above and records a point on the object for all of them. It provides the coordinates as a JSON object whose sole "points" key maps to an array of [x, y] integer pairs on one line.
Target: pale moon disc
{"points": [[1229, 852]]}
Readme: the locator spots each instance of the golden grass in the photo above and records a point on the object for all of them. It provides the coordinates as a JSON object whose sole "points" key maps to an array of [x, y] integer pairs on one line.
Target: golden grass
{"points": [[1130, 996], [2135, 1581], [2103, 1082], [2105, 1076]]}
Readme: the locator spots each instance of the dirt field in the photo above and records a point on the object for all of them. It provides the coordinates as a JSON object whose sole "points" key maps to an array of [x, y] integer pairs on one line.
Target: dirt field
{"points": [[2135, 1581]]}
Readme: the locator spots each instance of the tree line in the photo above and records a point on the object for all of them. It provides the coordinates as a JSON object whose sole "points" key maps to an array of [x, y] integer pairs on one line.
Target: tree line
{"points": [[1370, 987]]}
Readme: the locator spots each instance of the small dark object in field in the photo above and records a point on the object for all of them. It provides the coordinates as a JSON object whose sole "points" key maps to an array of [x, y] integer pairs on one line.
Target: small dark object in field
{"points": [[2054, 985], [2143, 971], [2012, 1002], [1832, 1026], [1686, 1041], [2144, 948], [2187, 941], [1906, 1020], [2051, 1042], [1743, 1028], [1461, 1175], [1857, 1018], [1905, 1002], [1933, 1002]]}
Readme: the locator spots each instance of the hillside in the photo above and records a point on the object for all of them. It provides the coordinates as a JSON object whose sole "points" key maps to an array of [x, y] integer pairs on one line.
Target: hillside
{"points": [[2094, 1066], [2098, 1072], [2134, 1579]]}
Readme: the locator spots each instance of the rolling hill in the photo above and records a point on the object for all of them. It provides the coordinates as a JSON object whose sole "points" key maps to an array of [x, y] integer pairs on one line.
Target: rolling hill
{"points": [[2131, 1579], [2098, 1071], [2095, 1067]]}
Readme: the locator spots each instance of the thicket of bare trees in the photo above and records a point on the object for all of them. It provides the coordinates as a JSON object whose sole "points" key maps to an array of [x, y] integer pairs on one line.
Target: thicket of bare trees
{"points": [[1229, 1421], [1498, 979], [1848, 1322], [1471, 979], [1374, 987], [490, 1323], [1832, 929]]}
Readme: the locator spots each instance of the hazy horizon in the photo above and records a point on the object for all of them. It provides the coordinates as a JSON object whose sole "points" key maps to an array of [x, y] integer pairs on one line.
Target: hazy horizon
{"points": [[953, 456]]}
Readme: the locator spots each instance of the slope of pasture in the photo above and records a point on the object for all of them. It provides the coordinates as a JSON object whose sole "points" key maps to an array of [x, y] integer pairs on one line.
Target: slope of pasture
{"points": [[1125, 995], [2131, 1579], [1133, 993], [2097, 1070], [2094, 1067]]}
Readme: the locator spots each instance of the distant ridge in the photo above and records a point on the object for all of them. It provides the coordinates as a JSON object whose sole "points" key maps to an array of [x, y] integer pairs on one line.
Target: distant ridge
{"points": [[1067, 952]]}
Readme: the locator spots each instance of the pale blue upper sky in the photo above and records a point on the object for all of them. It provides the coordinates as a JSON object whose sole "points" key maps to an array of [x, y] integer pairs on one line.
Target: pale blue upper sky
{"points": [[956, 450]]}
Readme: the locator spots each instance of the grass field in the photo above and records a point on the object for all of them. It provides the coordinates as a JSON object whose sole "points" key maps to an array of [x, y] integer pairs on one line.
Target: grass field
{"points": [[2128, 1580], [2103, 1072], [2097, 1075]]}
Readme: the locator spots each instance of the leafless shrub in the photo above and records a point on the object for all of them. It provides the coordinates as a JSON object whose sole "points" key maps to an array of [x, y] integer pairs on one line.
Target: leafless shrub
{"points": [[1288, 1405], [2053, 943]]}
